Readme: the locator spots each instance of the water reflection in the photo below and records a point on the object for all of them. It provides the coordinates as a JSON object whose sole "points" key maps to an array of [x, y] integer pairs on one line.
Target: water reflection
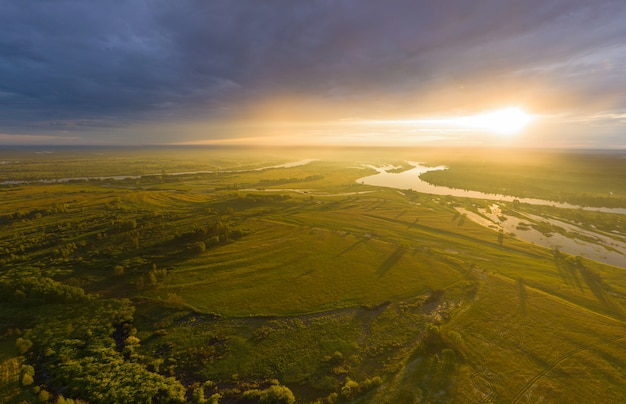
{"points": [[135, 177], [596, 246], [410, 179]]}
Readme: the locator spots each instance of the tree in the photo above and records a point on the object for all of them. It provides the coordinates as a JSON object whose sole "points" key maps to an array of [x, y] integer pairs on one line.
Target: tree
{"points": [[197, 396], [350, 389], [28, 373], [275, 394], [23, 345]]}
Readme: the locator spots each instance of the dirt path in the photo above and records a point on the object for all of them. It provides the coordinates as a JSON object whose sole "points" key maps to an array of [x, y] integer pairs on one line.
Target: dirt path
{"points": [[483, 385]]}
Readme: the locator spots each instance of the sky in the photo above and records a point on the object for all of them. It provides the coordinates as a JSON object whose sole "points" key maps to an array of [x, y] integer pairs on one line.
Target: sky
{"points": [[319, 72]]}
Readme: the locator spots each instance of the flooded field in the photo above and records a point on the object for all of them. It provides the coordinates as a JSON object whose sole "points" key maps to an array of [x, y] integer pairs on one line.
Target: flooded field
{"points": [[609, 248], [594, 245]]}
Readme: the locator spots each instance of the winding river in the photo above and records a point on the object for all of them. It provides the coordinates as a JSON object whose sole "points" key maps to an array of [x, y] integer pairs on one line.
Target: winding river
{"points": [[410, 179], [595, 245]]}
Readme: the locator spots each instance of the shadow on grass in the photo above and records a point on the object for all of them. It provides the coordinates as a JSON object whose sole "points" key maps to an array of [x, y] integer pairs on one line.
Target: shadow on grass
{"points": [[571, 267], [456, 216], [595, 284], [567, 270], [411, 225], [391, 260], [523, 295], [361, 241]]}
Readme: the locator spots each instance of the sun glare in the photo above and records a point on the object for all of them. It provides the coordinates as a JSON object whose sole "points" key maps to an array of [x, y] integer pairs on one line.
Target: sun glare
{"points": [[506, 121]]}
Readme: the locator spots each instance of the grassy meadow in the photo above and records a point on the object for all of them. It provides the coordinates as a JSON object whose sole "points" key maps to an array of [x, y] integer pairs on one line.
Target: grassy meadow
{"points": [[215, 275]]}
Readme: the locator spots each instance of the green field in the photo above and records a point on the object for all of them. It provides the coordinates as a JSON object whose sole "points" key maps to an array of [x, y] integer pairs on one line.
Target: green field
{"points": [[206, 278]]}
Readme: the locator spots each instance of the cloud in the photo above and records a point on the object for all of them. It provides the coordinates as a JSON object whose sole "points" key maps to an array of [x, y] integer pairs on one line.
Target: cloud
{"points": [[91, 66]]}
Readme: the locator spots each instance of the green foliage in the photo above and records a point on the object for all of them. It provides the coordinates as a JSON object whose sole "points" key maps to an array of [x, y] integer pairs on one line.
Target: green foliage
{"points": [[432, 341], [352, 389], [214, 399], [27, 375], [30, 290], [197, 395], [102, 375], [274, 394], [43, 396], [349, 390], [77, 351], [23, 345], [455, 341]]}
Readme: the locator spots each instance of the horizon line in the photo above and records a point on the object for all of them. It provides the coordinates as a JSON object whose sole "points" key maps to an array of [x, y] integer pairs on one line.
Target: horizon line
{"points": [[317, 145]]}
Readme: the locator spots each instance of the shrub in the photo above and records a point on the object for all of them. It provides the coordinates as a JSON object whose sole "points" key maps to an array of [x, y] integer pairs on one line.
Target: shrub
{"points": [[28, 373], [23, 345], [275, 394]]}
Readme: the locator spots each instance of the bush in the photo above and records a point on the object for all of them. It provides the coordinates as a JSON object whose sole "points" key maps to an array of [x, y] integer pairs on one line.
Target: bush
{"points": [[28, 373], [275, 394], [30, 290], [43, 396], [350, 389], [23, 345]]}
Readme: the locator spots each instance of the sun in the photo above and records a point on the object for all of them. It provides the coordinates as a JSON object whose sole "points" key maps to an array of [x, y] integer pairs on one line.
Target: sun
{"points": [[506, 121]]}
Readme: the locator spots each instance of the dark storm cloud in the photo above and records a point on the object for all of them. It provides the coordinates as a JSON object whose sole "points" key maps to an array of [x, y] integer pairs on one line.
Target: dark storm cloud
{"points": [[67, 65]]}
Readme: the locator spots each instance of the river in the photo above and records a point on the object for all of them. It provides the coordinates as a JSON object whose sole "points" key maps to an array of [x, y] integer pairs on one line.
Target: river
{"points": [[410, 179], [595, 245], [134, 177]]}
